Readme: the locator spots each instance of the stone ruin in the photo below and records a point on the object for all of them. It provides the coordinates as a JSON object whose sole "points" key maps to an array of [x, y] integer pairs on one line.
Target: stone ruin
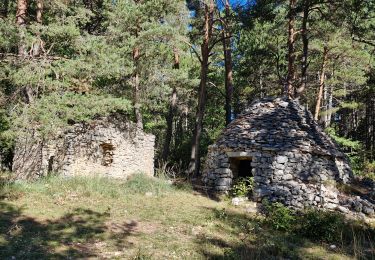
{"points": [[277, 142], [110, 147]]}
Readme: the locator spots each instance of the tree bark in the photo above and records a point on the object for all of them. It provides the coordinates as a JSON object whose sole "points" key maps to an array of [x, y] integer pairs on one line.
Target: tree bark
{"points": [[38, 45], [136, 90], [39, 11], [21, 22], [290, 79], [330, 107], [305, 48], [321, 84], [194, 164], [227, 34], [171, 112]]}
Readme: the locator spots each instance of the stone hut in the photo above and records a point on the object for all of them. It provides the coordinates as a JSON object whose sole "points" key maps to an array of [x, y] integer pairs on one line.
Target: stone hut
{"points": [[277, 142], [106, 147]]}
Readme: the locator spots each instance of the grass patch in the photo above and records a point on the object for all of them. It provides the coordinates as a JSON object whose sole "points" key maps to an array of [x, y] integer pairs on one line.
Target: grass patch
{"points": [[84, 217]]}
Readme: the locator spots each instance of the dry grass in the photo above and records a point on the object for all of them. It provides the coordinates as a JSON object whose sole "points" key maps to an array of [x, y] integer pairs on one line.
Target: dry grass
{"points": [[101, 218]]}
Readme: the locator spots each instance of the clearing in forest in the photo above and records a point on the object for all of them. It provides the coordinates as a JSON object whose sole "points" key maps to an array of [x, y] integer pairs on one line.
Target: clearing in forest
{"points": [[143, 219]]}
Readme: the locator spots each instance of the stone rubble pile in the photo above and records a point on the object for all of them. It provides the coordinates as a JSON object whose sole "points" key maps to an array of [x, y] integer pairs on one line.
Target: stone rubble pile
{"points": [[292, 160]]}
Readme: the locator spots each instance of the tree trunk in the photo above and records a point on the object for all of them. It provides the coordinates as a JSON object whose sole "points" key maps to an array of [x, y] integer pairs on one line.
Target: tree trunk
{"points": [[194, 164], [290, 79], [261, 82], [136, 90], [305, 51], [21, 22], [171, 112], [330, 107], [370, 125], [22, 52], [39, 11], [38, 45], [321, 83], [228, 65]]}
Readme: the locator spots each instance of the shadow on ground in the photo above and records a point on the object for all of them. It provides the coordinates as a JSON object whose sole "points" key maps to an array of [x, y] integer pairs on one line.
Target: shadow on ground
{"points": [[257, 240], [74, 235]]}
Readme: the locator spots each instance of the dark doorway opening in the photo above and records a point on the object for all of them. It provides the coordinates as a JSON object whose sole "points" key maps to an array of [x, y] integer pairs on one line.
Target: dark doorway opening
{"points": [[50, 164], [241, 167], [244, 168]]}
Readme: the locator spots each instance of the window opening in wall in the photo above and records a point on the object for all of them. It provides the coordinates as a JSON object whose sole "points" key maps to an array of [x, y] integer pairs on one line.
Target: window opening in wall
{"points": [[241, 167], [107, 153]]}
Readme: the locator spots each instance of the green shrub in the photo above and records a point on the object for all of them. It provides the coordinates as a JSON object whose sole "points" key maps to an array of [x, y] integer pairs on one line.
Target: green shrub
{"points": [[243, 187], [279, 216], [321, 225]]}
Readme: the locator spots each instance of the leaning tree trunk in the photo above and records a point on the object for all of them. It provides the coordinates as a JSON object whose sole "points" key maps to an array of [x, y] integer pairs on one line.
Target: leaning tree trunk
{"points": [[171, 112], [290, 79], [194, 164], [228, 65], [321, 84]]}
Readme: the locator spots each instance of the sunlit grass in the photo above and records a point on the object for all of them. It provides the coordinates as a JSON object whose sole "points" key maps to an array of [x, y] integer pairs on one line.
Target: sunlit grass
{"points": [[142, 218]]}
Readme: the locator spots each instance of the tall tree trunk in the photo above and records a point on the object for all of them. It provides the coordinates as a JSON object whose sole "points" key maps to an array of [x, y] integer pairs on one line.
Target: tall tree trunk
{"points": [[330, 107], [261, 81], [321, 83], [38, 44], [171, 112], [305, 51], [290, 79], [194, 164], [22, 52], [227, 34], [136, 90], [370, 124], [39, 11], [21, 22]]}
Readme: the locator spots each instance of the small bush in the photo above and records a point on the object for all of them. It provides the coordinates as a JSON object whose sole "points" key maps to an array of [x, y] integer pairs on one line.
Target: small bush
{"points": [[279, 216], [243, 187], [321, 225]]}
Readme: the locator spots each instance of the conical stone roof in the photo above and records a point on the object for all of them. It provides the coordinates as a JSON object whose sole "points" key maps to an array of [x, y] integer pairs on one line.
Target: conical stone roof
{"points": [[278, 124]]}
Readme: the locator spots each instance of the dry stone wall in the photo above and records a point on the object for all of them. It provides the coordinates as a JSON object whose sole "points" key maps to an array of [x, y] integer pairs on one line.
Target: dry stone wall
{"points": [[106, 147], [292, 160]]}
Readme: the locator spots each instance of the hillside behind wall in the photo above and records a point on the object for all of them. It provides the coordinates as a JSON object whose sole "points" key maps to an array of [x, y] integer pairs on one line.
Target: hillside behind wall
{"points": [[106, 147]]}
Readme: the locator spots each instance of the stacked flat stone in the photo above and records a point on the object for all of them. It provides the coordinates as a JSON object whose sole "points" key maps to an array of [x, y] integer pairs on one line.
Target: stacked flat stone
{"points": [[293, 161], [110, 147]]}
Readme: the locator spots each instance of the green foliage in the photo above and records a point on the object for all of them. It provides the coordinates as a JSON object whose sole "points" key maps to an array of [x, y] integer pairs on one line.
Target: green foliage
{"points": [[279, 216], [243, 187], [320, 225], [53, 112], [345, 142]]}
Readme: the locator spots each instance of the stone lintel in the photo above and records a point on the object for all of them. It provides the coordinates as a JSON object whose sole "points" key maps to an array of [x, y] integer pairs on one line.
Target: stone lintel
{"points": [[239, 154]]}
